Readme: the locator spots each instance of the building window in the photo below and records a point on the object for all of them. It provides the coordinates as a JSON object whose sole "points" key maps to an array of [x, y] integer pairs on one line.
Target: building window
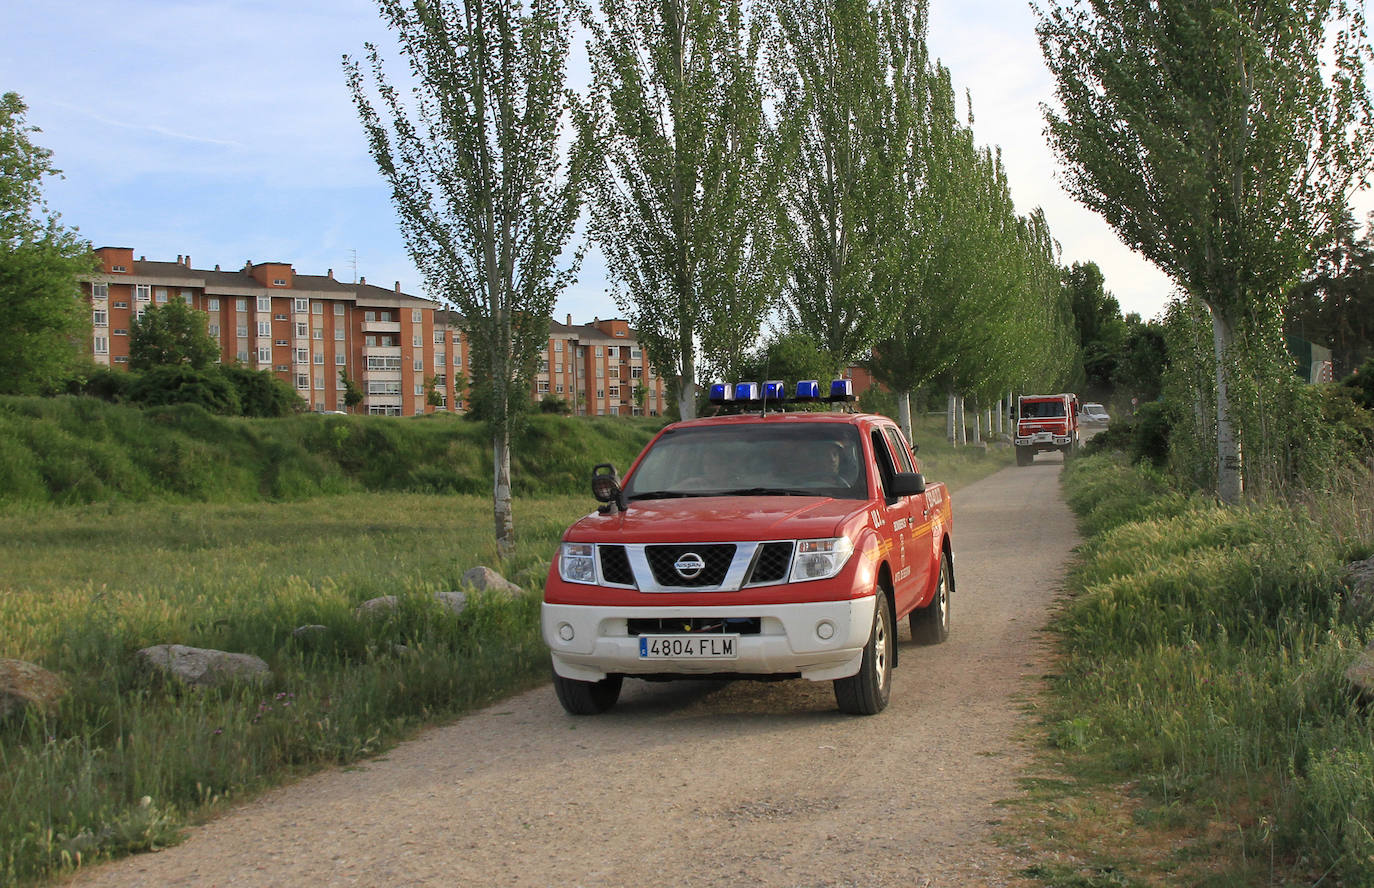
{"points": [[100, 318], [283, 342], [558, 367], [212, 304], [213, 330], [369, 341], [317, 308], [440, 358], [319, 357], [118, 269], [121, 359], [242, 331], [384, 387], [415, 340], [100, 291], [264, 328], [635, 353], [143, 292], [278, 282], [188, 297], [598, 351], [161, 294], [419, 365], [120, 331], [338, 309], [457, 359], [610, 351], [302, 306], [558, 345], [264, 303], [102, 345], [121, 304], [615, 372], [318, 334], [240, 304], [301, 331], [281, 368], [383, 362], [636, 372], [438, 337], [242, 357], [558, 388], [264, 354], [338, 334], [319, 380], [543, 387], [600, 394], [600, 371], [278, 317], [338, 360], [615, 391], [303, 381], [415, 316], [302, 356], [581, 351]]}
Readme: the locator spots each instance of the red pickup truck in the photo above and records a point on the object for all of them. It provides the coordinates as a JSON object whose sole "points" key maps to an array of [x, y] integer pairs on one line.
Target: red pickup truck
{"points": [[752, 546]]}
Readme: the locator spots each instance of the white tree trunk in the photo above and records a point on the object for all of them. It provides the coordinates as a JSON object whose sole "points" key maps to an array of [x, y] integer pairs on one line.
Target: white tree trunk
{"points": [[1230, 477], [959, 428], [989, 420], [949, 419], [904, 414], [977, 427], [505, 521]]}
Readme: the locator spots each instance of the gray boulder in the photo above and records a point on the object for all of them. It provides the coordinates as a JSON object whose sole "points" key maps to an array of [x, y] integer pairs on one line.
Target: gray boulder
{"points": [[1360, 674], [456, 601], [24, 685], [381, 606], [485, 578], [202, 667]]}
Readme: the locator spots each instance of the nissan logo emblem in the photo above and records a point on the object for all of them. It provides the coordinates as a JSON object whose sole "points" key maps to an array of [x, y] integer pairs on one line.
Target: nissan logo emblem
{"points": [[689, 565]]}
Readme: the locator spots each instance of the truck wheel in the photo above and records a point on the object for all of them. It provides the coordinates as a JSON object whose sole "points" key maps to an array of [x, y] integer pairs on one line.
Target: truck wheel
{"points": [[930, 624], [1024, 456], [587, 697], [867, 692]]}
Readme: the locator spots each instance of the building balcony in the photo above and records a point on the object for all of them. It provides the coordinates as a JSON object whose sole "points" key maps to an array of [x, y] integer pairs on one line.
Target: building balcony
{"points": [[381, 351], [381, 326]]}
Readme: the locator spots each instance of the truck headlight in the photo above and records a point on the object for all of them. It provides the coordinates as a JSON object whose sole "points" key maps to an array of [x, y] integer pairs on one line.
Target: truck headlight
{"points": [[820, 559], [577, 563]]}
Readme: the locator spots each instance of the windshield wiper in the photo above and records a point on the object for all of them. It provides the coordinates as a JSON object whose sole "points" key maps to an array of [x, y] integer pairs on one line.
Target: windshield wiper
{"points": [[768, 491]]}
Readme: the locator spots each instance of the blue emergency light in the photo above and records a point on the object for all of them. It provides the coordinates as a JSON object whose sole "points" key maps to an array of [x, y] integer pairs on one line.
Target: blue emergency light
{"points": [[720, 393], [775, 390], [842, 389], [746, 391], [808, 390]]}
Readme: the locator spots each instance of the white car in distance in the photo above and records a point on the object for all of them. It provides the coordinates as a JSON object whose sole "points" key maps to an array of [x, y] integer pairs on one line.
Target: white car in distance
{"points": [[1095, 413]]}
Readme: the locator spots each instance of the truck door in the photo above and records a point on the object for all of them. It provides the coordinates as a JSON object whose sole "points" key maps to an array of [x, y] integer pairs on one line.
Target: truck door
{"points": [[919, 545], [896, 520]]}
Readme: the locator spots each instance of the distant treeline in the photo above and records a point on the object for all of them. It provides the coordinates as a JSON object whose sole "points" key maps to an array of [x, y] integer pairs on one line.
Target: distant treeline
{"points": [[83, 450]]}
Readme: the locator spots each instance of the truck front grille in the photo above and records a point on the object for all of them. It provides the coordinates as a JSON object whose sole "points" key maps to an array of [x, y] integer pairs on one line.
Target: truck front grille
{"points": [[615, 566], [772, 563], [740, 625], [716, 558]]}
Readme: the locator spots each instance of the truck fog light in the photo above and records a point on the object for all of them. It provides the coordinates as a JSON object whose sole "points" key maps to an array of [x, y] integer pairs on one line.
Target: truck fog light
{"points": [[565, 631], [825, 630]]}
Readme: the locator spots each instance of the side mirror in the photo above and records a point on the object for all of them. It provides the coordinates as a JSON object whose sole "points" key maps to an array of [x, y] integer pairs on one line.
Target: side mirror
{"points": [[908, 484], [606, 488]]}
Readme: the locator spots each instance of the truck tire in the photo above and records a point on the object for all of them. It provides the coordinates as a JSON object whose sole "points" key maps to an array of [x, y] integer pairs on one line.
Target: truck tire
{"points": [[1024, 456], [930, 624], [867, 691], [587, 697]]}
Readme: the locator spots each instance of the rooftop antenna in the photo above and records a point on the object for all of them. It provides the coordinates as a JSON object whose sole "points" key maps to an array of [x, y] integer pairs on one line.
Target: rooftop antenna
{"points": [[354, 262]]}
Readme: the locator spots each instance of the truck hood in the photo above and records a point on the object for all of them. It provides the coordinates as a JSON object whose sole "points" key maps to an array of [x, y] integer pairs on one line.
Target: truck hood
{"points": [[720, 519]]}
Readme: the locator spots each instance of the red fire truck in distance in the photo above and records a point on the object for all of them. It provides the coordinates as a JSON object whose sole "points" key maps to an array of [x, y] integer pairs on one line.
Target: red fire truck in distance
{"points": [[1045, 422], [755, 545]]}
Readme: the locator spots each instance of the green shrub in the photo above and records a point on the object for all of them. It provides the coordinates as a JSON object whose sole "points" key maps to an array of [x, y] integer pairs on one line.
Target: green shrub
{"points": [[181, 384], [261, 393]]}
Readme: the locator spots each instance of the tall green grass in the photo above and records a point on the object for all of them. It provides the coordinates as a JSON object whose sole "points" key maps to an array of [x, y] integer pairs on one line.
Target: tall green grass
{"points": [[72, 450], [127, 758], [1204, 657]]}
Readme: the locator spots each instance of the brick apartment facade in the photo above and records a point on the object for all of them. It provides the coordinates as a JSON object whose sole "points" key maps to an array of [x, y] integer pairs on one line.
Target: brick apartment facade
{"points": [[306, 328]]}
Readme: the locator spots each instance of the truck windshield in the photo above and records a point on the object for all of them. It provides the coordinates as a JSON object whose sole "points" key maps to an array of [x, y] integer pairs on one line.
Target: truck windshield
{"points": [[763, 459], [1041, 409]]}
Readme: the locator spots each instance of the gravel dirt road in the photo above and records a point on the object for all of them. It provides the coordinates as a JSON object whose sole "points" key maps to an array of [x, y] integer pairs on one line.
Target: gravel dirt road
{"points": [[695, 784]]}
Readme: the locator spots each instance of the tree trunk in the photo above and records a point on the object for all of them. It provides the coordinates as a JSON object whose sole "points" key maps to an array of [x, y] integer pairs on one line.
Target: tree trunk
{"points": [[505, 521], [988, 417], [904, 414], [977, 427], [959, 427], [949, 420], [1230, 477]]}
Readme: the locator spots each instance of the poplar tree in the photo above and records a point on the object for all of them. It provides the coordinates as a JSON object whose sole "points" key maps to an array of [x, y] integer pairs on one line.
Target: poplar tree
{"points": [[684, 202], [485, 199], [1220, 139]]}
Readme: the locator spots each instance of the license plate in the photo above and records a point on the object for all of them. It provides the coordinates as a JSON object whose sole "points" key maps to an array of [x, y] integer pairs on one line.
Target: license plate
{"points": [[688, 647]]}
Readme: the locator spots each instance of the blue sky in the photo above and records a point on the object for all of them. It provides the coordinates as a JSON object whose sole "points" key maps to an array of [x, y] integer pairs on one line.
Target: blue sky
{"points": [[223, 129]]}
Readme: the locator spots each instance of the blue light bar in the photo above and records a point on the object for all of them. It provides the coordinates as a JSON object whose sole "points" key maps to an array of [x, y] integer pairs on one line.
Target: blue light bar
{"points": [[842, 388], [746, 391], [720, 393], [808, 389], [774, 390]]}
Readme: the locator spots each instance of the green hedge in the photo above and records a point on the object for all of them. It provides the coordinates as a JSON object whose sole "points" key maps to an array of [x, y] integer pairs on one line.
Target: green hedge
{"points": [[74, 449]]}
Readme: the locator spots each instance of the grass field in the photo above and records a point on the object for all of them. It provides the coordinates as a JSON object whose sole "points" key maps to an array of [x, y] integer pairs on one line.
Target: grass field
{"points": [[126, 760]]}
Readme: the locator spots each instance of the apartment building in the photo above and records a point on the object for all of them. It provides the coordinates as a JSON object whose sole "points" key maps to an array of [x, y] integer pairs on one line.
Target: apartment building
{"points": [[307, 328]]}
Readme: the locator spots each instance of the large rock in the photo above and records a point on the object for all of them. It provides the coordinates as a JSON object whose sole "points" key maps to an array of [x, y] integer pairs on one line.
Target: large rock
{"points": [[24, 685], [203, 667], [486, 578], [1360, 674], [456, 601], [1358, 606]]}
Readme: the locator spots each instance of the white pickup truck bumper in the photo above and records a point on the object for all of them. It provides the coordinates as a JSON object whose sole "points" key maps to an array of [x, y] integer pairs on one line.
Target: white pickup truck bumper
{"points": [[588, 641], [1043, 439]]}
